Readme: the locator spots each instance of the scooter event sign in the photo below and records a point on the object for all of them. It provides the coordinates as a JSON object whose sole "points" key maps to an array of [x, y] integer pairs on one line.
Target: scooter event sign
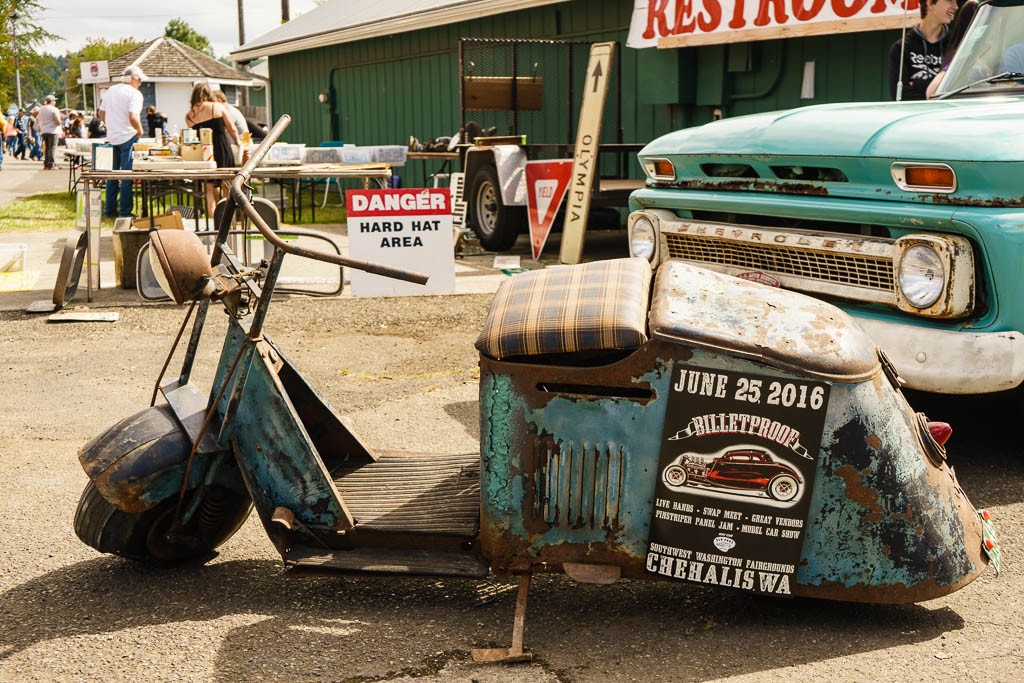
{"points": [[410, 229], [735, 476]]}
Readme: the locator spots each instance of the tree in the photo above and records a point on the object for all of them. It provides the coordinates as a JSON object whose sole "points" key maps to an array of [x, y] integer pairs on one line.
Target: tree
{"points": [[17, 17], [183, 33], [94, 50]]}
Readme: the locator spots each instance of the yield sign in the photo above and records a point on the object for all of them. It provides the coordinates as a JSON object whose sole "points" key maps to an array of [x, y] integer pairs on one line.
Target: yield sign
{"points": [[546, 183]]}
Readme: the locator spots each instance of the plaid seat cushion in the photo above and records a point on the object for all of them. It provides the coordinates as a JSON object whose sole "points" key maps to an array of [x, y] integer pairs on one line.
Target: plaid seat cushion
{"points": [[591, 307]]}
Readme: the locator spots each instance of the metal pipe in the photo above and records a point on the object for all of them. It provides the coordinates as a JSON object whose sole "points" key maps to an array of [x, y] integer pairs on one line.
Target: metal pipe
{"points": [[242, 202], [17, 63]]}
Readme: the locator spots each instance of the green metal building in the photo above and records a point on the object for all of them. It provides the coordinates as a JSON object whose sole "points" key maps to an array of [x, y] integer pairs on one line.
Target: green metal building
{"points": [[377, 75]]}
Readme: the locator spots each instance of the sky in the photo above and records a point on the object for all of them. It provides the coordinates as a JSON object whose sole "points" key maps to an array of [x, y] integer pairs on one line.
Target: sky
{"points": [[77, 20]]}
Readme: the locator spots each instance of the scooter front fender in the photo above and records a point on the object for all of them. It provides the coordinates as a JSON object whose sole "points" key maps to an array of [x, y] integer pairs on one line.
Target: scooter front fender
{"points": [[141, 460]]}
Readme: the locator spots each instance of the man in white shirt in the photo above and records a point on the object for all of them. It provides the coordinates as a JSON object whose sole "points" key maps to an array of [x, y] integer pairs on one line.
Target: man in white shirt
{"points": [[120, 110], [49, 126]]}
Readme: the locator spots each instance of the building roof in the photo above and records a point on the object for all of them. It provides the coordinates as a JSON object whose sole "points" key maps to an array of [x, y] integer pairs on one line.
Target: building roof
{"points": [[166, 59], [337, 21]]}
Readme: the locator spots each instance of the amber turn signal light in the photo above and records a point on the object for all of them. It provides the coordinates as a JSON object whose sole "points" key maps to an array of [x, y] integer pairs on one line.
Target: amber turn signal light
{"points": [[940, 177]]}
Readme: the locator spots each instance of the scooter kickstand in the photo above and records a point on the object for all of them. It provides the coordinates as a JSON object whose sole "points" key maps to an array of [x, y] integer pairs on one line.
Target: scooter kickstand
{"points": [[514, 653]]}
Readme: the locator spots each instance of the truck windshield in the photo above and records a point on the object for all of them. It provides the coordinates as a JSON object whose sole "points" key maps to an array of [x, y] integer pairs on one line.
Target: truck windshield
{"points": [[994, 45]]}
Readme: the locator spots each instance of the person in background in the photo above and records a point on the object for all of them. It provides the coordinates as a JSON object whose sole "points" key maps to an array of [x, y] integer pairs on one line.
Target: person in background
{"points": [[49, 126], [206, 113], [35, 137], [3, 140], [21, 131], [120, 110], [237, 117], [11, 136], [97, 129], [76, 126], [956, 34], [915, 59], [154, 120]]}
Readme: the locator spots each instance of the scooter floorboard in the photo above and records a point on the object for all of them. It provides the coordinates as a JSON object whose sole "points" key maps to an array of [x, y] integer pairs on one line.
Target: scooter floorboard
{"points": [[386, 561], [420, 493]]}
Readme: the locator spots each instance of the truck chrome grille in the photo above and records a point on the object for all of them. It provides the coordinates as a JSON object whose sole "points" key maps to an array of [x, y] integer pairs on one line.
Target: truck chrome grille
{"points": [[859, 271], [853, 267]]}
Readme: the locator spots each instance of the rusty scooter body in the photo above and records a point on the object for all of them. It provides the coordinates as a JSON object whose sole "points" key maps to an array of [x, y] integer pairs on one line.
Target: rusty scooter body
{"points": [[686, 426]]}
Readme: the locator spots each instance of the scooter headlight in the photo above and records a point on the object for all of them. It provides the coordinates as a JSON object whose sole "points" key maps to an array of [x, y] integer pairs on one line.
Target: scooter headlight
{"points": [[181, 264], [643, 238], [921, 276]]}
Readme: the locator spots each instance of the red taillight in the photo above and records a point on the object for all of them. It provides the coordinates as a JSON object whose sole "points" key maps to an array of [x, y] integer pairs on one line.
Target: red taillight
{"points": [[940, 431], [931, 176]]}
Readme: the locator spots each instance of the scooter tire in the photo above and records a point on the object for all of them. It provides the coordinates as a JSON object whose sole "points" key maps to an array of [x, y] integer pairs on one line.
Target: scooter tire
{"points": [[143, 536]]}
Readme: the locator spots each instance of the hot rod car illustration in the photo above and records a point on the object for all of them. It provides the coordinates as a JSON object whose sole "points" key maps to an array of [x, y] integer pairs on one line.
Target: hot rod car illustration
{"points": [[743, 468]]}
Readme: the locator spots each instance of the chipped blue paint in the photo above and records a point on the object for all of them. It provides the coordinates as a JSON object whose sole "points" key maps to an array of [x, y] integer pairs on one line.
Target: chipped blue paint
{"points": [[914, 536], [499, 404], [281, 459], [897, 528]]}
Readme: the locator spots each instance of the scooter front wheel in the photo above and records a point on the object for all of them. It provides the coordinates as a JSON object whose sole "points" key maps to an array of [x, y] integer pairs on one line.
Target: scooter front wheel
{"points": [[147, 536]]}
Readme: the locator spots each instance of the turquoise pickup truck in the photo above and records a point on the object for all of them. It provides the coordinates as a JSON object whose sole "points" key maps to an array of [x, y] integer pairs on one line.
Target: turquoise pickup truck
{"points": [[908, 215]]}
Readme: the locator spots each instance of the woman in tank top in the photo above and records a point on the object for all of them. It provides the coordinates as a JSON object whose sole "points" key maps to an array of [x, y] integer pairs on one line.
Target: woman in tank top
{"points": [[205, 113]]}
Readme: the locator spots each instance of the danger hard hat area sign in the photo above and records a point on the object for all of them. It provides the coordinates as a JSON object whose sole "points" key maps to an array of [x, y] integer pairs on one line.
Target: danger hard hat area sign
{"points": [[410, 229], [546, 184]]}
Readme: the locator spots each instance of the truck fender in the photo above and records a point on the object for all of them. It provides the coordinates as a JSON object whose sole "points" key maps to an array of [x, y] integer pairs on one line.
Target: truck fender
{"points": [[509, 161], [141, 461]]}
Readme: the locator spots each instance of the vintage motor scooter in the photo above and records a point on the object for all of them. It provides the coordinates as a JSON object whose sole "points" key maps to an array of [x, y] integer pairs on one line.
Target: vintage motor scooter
{"points": [[686, 426]]}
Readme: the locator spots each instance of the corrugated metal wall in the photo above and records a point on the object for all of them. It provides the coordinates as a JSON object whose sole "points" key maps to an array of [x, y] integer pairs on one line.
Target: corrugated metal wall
{"points": [[383, 90]]}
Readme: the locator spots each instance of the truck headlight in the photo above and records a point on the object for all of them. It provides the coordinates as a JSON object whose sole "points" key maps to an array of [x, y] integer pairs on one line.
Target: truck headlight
{"points": [[934, 275], [643, 237], [921, 276]]}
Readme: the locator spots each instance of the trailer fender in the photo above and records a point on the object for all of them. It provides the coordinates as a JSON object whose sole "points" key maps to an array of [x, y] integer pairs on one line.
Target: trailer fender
{"points": [[141, 461], [509, 161]]}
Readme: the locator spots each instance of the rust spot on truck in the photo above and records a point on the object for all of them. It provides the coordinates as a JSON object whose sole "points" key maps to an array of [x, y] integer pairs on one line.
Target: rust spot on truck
{"points": [[753, 186], [989, 203]]}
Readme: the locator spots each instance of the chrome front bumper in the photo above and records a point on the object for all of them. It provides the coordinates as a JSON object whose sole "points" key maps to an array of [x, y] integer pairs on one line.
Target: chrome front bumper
{"points": [[951, 362]]}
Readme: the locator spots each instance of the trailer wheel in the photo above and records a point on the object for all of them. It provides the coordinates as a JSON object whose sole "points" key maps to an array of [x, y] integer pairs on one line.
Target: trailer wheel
{"points": [[144, 536], [496, 224]]}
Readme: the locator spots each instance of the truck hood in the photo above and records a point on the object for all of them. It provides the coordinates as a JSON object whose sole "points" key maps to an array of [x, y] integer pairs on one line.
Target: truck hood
{"points": [[990, 128]]}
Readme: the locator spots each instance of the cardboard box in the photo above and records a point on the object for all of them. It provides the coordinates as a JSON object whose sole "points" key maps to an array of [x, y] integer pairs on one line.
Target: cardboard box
{"points": [[167, 221], [191, 152]]}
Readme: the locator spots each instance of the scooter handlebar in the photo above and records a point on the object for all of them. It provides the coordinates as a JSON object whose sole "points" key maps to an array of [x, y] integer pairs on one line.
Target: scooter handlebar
{"points": [[238, 195]]}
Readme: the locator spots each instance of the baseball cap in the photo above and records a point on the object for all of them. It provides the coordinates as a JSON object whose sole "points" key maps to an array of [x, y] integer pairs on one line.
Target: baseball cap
{"points": [[133, 72]]}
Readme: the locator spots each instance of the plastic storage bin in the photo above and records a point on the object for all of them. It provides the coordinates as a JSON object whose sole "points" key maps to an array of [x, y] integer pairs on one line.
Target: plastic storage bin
{"points": [[323, 155], [284, 153]]}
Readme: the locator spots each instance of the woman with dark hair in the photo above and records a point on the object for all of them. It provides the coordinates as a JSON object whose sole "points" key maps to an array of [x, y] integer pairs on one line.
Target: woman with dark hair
{"points": [[206, 113], [964, 16]]}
